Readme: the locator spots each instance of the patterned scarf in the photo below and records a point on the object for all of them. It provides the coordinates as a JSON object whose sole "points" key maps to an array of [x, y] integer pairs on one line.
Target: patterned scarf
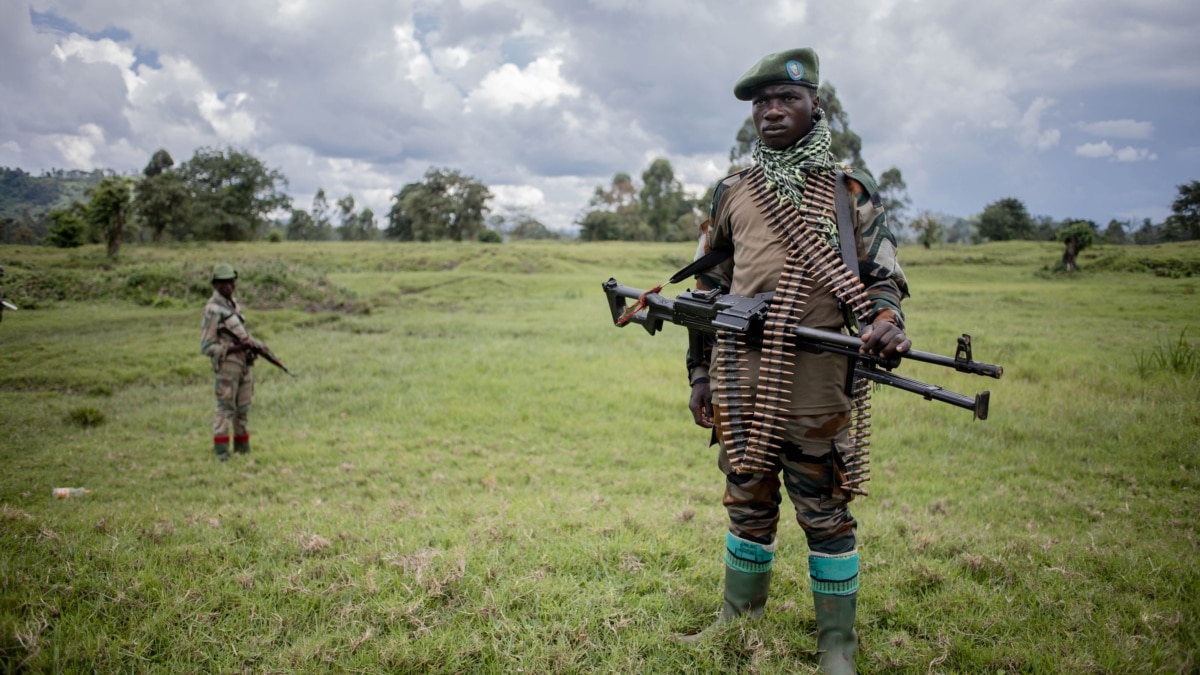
{"points": [[787, 170]]}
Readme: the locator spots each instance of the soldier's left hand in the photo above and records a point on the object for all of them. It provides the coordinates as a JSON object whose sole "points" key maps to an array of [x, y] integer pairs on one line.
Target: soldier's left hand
{"points": [[885, 339]]}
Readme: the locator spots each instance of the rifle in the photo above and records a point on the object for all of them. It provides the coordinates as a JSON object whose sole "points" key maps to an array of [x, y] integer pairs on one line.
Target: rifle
{"points": [[265, 352], [703, 313]]}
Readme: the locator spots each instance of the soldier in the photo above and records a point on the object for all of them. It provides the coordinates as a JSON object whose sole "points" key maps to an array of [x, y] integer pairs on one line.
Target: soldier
{"points": [[810, 412], [225, 340]]}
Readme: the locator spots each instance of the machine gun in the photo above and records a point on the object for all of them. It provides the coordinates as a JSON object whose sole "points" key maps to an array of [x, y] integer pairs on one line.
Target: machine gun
{"points": [[703, 313]]}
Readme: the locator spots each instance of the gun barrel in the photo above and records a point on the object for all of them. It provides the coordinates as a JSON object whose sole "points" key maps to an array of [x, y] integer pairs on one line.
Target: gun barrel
{"points": [[977, 405], [824, 340]]}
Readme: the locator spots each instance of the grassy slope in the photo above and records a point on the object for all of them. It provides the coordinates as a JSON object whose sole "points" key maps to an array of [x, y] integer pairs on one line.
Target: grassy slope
{"points": [[475, 471]]}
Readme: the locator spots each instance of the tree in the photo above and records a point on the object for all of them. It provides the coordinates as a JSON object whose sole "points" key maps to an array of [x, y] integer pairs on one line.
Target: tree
{"points": [[741, 155], [108, 210], [894, 193], [1147, 234], [846, 146], [70, 229], [928, 228], [445, 205], [1115, 233], [614, 213], [662, 199], [522, 225], [400, 224], [356, 226], [1075, 236], [161, 200], [232, 194], [599, 225], [311, 225], [1184, 222], [1005, 219]]}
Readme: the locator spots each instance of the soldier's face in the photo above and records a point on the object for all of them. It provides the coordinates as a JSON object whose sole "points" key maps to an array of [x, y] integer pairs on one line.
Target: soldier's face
{"points": [[783, 114], [225, 287]]}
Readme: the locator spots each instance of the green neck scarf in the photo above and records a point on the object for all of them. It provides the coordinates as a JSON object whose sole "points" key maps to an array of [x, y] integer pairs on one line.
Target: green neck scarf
{"points": [[787, 170]]}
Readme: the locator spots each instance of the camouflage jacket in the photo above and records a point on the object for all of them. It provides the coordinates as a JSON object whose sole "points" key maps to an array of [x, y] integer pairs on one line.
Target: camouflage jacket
{"points": [[222, 327]]}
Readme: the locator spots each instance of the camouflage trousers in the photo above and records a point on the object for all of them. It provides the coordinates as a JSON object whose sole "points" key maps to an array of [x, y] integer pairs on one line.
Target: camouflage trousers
{"points": [[234, 389], [810, 468]]}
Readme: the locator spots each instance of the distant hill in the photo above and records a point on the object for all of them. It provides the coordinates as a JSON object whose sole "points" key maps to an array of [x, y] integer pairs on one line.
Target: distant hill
{"points": [[24, 195]]}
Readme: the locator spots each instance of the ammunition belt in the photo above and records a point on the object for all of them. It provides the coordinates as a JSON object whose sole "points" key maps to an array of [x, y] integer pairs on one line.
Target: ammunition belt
{"points": [[754, 416]]}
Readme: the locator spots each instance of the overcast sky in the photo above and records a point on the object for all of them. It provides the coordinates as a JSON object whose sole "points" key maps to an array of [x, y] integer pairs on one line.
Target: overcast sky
{"points": [[1079, 108]]}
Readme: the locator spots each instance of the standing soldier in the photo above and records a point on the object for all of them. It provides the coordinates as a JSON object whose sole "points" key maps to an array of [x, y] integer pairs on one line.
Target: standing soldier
{"points": [[225, 340], [4, 303], [782, 416]]}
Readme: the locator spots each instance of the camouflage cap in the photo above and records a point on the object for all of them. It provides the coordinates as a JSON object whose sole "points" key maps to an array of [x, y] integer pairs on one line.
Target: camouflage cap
{"points": [[223, 272], [795, 66]]}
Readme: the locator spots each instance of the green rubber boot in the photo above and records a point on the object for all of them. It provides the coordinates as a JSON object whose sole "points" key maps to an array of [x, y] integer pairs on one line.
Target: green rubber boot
{"points": [[222, 451], [834, 581], [745, 595], [837, 642]]}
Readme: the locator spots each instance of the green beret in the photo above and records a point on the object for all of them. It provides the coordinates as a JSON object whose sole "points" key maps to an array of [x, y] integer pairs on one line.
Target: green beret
{"points": [[223, 272], [795, 66]]}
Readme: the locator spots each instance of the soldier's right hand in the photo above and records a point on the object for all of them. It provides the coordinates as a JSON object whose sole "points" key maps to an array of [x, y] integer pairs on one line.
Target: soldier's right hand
{"points": [[701, 404]]}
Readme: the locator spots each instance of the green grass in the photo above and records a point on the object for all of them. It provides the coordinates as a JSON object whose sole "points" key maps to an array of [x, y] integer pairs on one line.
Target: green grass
{"points": [[475, 472]]}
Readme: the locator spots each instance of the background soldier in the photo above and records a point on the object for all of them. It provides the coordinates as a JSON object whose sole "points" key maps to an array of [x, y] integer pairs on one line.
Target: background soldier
{"points": [[225, 340], [4, 303], [811, 413]]}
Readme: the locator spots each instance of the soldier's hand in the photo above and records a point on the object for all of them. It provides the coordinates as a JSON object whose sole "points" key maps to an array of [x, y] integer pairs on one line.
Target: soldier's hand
{"points": [[885, 339], [701, 404]]}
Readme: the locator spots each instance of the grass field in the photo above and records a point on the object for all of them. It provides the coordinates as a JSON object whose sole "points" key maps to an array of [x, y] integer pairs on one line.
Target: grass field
{"points": [[474, 471]]}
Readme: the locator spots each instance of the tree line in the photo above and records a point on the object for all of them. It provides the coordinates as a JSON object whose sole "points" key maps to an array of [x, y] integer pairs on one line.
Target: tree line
{"points": [[230, 195]]}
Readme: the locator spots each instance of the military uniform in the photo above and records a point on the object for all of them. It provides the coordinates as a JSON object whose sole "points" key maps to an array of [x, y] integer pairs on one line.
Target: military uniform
{"points": [[223, 327], [815, 412]]}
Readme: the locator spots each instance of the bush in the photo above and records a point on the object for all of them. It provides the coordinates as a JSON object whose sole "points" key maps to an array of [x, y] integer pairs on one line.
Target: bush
{"points": [[86, 416]]}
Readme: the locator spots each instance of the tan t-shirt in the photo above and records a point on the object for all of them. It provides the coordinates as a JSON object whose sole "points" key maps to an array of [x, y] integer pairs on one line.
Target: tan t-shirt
{"points": [[759, 254]]}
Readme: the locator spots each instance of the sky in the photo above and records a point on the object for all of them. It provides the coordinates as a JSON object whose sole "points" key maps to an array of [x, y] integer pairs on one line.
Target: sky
{"points": [[1078, 108]]}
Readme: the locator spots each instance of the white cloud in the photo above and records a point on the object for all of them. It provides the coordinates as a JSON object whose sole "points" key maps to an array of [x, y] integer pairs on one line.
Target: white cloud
{"points": [[1103, 150], [517, 197], [100, 51], [418, 68], [362, 98], [1032, 136], [1126, 128], [1095, 150], [79, 149], [538, 84], [1131, 154]]}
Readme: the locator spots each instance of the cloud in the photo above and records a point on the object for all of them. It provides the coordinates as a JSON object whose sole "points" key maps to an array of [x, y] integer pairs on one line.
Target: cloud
{"points": [[1095, 150], [1032, 136], [1131, 154], [557, 96], [1103, 150], [1131, 129], [507, 87], [517, 197]]}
